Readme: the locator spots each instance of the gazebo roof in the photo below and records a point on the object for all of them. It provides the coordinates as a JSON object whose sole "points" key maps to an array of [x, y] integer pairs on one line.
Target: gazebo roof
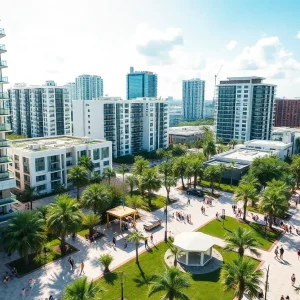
{"points": [[121, 212], [193, 241]]}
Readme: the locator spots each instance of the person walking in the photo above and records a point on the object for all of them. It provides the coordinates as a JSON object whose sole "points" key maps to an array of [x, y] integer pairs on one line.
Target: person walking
{"points": [[276, 253], [151, 238], [114, 241], [290, 229], [293, 280], [146, 243], [298, 253], [51, 297], [188, 201], [82, 268], [282, 297], [281, 252], [23, 294], [71, 262], [125, 243], [30, 282]]}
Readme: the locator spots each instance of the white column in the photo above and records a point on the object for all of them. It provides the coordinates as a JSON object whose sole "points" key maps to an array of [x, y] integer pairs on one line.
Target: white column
{"points": [[186, 257], [202, 258]]}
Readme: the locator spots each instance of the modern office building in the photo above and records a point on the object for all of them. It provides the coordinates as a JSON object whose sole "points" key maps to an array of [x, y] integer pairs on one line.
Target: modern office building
{"points": [[132, 126], [39, 111], [287, 112], [193, 91], [175, 115], [244, 109], [141, 84], [185, 134], [7, 181], [88, 87], [208, 109], [43, 163]]}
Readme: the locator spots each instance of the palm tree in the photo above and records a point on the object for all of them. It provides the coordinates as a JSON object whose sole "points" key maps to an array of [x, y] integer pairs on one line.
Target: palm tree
{"points": [[43, 211], [189, 173], [209, 148], [273, 203], [241, 239], [28, 195], [240, 275], [281, 186], [295, 166], [123, 168], [250, 178], [151, 182], [180, 165], [222, 168], [232, 165], [96, 178], [198, 169], [79, 177], [140, 165], [91, 220], [212, 174], [109, 173], [175, 252], [172, 281], [245, 192], [25, 233], [136, 237], [87, 163], [136, 201], [96, 197], [233, 143], [220, 140], [160, 152], [106, 260], [132, 181], [64, 218], [81, 289]]}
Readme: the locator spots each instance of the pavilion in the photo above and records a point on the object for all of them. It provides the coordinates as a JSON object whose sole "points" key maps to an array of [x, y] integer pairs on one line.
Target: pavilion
{"points": [[197, 248], [120, 212]]}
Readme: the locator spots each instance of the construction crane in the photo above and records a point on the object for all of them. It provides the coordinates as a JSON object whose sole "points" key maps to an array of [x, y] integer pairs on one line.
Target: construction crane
{"points": [[216, 75]]}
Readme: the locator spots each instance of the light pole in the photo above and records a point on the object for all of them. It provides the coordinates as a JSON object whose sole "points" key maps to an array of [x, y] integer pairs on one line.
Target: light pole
{"points": [[166, 219], [267, 281]]}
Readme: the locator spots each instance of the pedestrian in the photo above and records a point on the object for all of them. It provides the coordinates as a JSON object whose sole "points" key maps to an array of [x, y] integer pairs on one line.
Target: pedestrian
{"points": [[51, 297], [151, 238], [260, 294], [204, 210], [191, 218], [82, 268], [114, 242], [293, 280], [165, 211], [281, 252], [282, 297], [298, 254], [71, 262], [5, 281], [30, 282], [188, 201], [125, 243], [287, 298], [276, 253], [23, 293], [146, 243]]}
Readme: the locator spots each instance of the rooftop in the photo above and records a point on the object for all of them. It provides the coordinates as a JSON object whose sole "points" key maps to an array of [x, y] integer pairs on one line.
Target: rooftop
{"points": [[185, 130], [53, 142], [194, 241], [243, 154], [216, 162], [246, 78], [262, 143], [121, 211]]}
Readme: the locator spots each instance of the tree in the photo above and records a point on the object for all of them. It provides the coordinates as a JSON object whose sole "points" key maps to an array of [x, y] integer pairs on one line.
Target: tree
{"points": [[109, 173], [91, 220], [297, 144], [295, 167], [222, 168], [160, 153], [96, 178], [241, 239], [175, 252], [281, 186], [151, 182], [180, 165], [87, 163], [220, 140], [81, 289], [135, 238], [233, 143], [136, 201], [79, 177], [273, 202], [209, 148], [189, 173], [25, 233], [232, 165], [198, 168], [208, 134], [245, 192], [106, 260], [240, 275], [212, 174], [123, 168], [132, 181], [28, 195], [172, 282], [139, 166], [64, 218], [96, 197], [43, 211], [177, 150], [249, 178]]}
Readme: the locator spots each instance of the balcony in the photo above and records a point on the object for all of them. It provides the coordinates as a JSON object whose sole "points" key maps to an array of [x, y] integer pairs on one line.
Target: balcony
{"points": [[5, 127], [4, 96], [5, 176], [2, 33], [4, 159], [2, 49], [9, 200], [55, 178], [4, 112], [3, 79], [3, 64], [4, 144]]}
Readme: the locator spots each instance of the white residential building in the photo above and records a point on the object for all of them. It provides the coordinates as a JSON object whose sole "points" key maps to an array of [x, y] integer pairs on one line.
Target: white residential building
{"points": [[6, 179], [39, 111], [287, 135], [43, 163], [72, 90], [244, 109], [193, 91], [88, 87], [132, 126]]}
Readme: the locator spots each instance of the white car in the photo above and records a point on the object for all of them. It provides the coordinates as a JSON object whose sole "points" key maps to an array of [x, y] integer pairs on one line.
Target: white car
{"points": [[152, 224]]}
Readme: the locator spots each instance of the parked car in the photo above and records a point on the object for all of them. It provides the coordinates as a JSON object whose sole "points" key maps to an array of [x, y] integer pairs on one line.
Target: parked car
{"points": [[195, 192], [152, 224]]}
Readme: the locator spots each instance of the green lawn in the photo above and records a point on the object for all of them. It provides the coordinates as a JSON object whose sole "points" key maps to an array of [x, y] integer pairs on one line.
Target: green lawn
{"points": [[38, 260], [223, 186], [84, 230], [214, 228], [204, 287]]}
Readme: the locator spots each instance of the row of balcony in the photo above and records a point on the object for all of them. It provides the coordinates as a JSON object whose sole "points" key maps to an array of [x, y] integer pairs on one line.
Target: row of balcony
{"points": [[3, 79], [5, 127], [3, 64], [2, 48]]}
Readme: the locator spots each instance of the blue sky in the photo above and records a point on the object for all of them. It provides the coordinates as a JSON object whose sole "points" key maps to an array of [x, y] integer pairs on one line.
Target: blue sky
{"points": [[178, 39]]}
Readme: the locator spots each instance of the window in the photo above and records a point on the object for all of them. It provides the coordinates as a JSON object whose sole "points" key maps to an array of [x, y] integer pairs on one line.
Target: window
{"points": [[40, 188], [40, 164], [17, 166], [106, 163], [97, 165], [104, 152], [96, 154], [26, 178], [18, 184], [40, 178], [68, 154], [16, 157], [18, 175], [88, 116]]}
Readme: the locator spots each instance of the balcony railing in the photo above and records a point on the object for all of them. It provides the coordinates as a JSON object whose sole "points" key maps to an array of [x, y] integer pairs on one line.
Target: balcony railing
{"points": [[4, 159], [4, 95], [4, 111], [5, 175], [4, 79], [5, 127], [8, 200], [3, 63], [2, 48], [4, 144]]}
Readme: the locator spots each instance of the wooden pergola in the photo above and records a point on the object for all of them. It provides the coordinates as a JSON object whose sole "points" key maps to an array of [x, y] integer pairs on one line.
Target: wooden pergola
{"points": [[120, 212]]}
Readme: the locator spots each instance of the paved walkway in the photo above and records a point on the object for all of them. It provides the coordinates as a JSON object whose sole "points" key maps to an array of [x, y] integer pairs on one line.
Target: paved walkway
{"points": [[53, 278]]}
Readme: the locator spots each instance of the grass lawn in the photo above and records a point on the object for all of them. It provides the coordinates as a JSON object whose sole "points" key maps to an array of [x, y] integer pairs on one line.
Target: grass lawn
{"points": [[38, 260], [214, 228], [84, 230], [204, 287], [256, 210]]}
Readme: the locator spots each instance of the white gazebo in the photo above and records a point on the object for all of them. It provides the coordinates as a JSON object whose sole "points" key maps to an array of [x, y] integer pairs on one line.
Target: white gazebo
{"points": [[197, 248]]}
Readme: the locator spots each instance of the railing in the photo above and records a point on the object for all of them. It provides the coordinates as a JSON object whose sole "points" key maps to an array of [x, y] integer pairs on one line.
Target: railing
{"points": [[3, 63], [3, 95], [4, 175], [8, 200], [5, 127], [4, 159], [4, 144], [4, 111], [2, 48]]}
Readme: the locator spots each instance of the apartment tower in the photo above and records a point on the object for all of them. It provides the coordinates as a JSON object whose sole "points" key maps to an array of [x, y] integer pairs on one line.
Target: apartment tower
{"points": [[88, 87], [287, 113]]}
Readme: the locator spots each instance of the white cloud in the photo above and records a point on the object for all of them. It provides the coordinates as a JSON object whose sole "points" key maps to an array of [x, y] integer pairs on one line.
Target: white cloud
{"points": [[231, 45], [298, 35]]}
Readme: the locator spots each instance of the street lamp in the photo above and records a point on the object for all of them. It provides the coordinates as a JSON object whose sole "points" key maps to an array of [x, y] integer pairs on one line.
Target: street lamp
{"points": [[166, 220], [267, 281]]}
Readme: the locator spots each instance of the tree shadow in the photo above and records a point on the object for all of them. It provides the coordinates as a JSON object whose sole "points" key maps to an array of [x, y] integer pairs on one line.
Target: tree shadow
{"points": [[110, 278], [143, 279]]}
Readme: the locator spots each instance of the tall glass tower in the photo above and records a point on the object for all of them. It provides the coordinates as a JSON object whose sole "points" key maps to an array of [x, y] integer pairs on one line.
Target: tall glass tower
{"points": [[88, 87], [6, 180], [141, 84]]}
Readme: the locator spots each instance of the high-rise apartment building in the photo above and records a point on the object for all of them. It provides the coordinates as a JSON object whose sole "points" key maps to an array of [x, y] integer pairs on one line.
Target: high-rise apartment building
{"points": [[39, 111], [141, 84], [132, 126], [244, 109], [193, 91], [88, 87], [72, 90], [6, 180], [287, 113]]}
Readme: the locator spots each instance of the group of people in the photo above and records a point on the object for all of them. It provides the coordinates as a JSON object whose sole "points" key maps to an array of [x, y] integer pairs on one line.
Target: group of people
{"points": [[286, 298], [8, 276], [181, 216], [254, 217]]}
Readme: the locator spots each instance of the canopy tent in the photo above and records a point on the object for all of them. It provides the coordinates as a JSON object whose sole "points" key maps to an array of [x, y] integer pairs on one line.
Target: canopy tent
{"points": [[120, 212], [197, 247]]}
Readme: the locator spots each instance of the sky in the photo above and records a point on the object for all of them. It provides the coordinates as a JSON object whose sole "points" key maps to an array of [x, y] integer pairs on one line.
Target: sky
{"points": [[177, 39]]}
